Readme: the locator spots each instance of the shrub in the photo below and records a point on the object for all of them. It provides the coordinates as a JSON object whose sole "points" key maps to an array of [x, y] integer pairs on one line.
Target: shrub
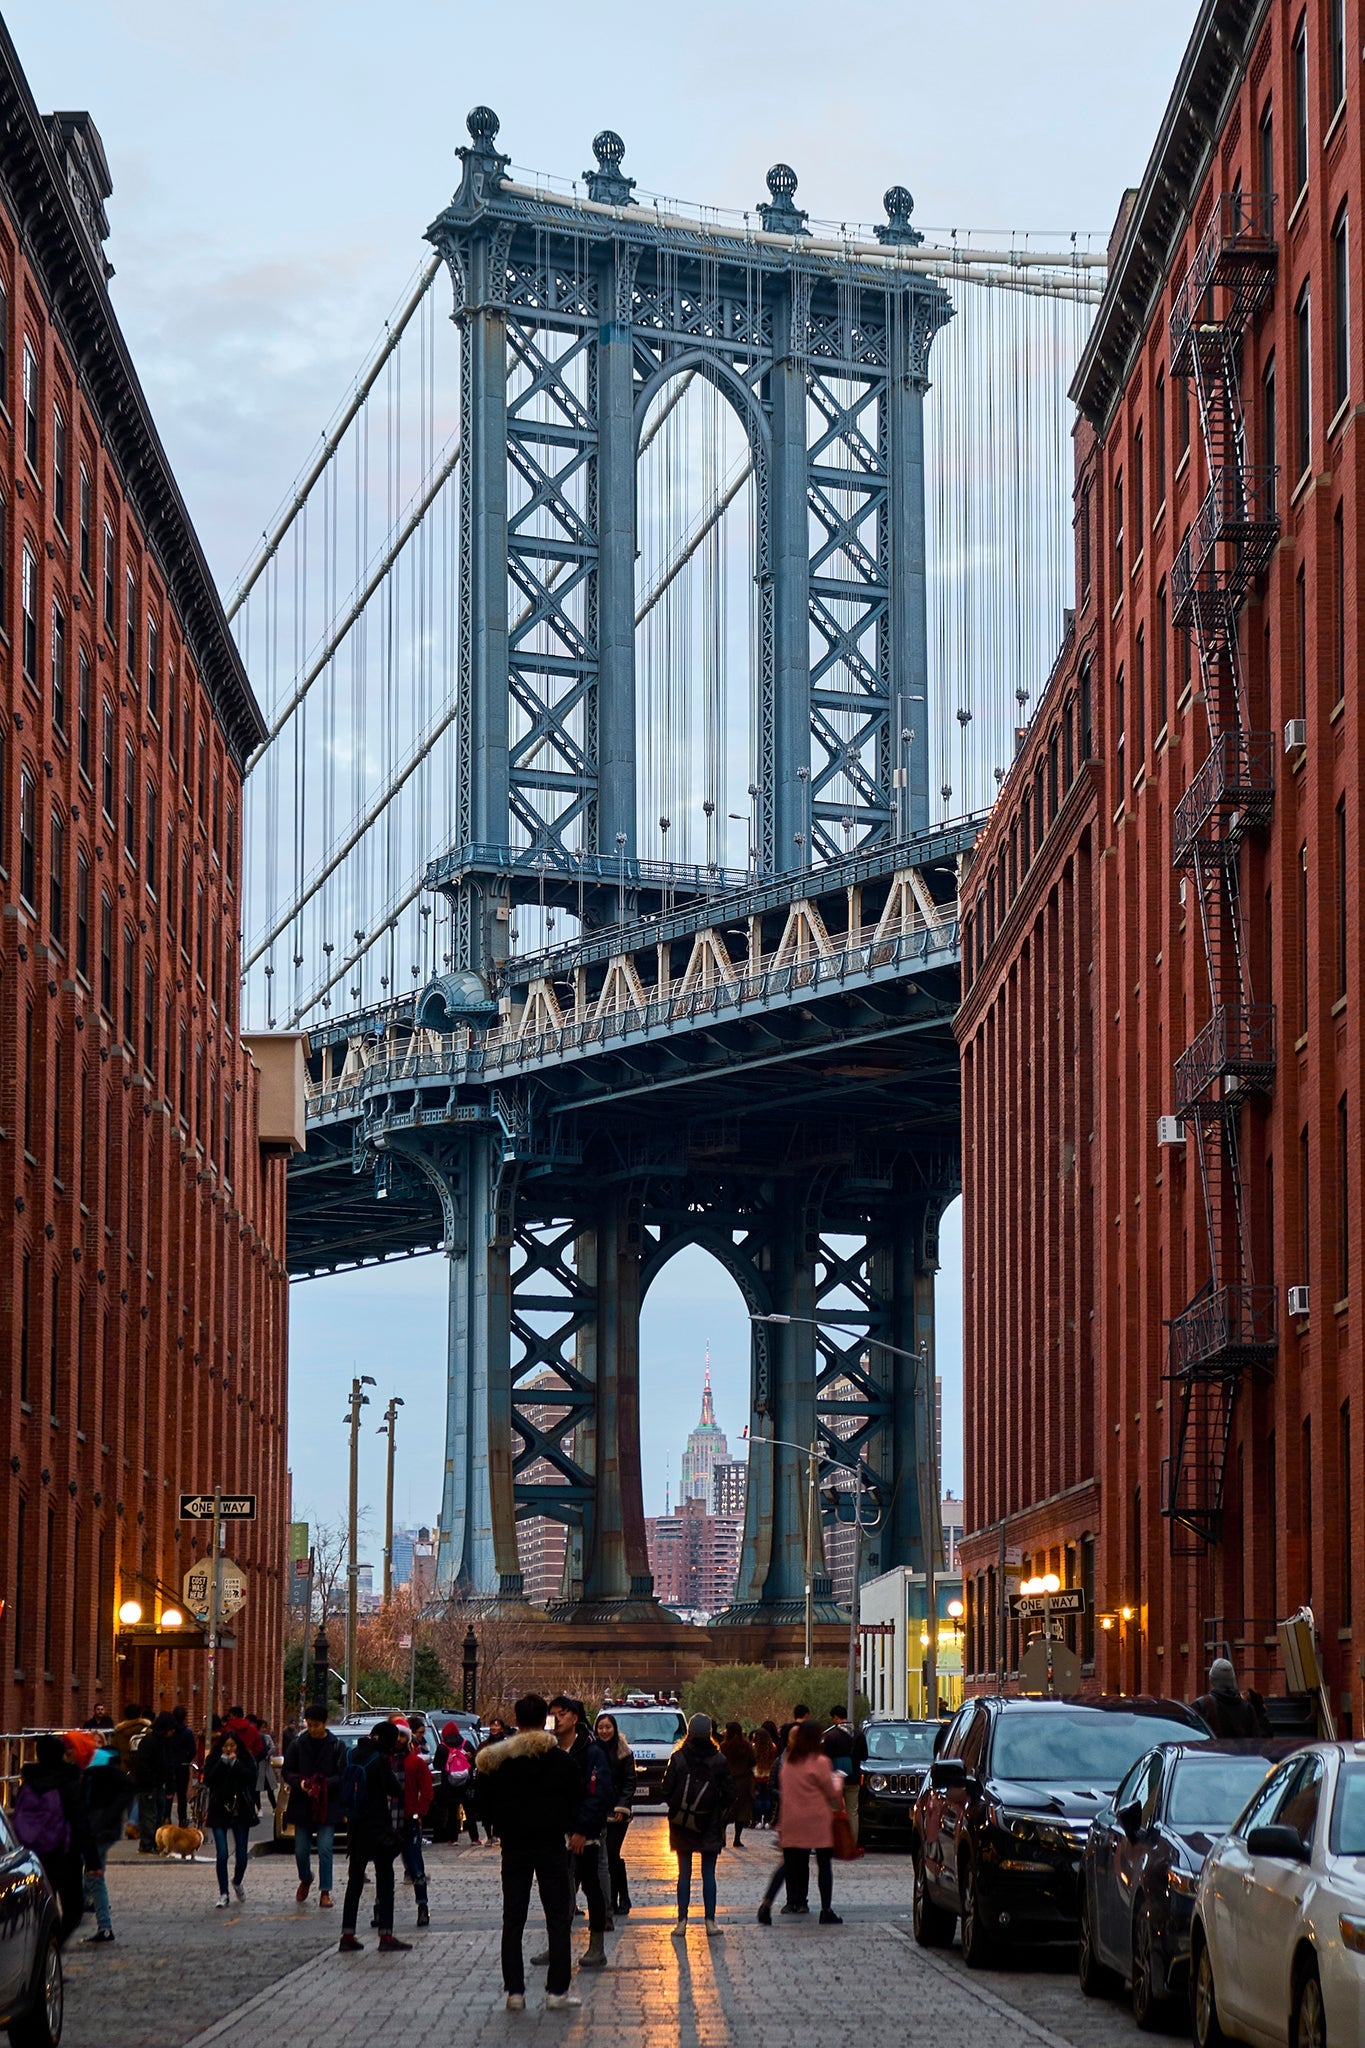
{"points": [[749, 1693]]}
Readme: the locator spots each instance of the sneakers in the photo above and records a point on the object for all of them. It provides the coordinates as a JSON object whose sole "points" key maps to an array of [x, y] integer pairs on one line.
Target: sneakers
{"points": [[555, 2001], [423, 1916], [711, 1930], [830, 1919], [389, 1945], [100, 1934], [240, 1892], [224, 1901], [679, 1932], [324, 1899], [765, 1914], [348, 1945], [305, 1885], [516, 2001]]}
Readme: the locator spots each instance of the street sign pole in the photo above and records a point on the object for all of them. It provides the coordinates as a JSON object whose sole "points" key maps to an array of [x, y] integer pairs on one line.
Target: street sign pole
{"points": [[1047, 1637], [215, 1615]]}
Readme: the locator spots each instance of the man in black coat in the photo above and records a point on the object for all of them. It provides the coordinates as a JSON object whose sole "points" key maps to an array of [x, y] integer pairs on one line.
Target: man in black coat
{"points": [[596, 1798], [529, 1793], [313, 1765], [374, 1839]]}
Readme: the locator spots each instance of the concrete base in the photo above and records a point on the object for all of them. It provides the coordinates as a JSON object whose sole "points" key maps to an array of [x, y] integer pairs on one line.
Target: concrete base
{"points": [[619, 1652]]}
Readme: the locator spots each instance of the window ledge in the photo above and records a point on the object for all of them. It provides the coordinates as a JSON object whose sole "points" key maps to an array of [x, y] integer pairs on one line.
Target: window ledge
{"points": [[1117, 606], [1302, 486], [1183, 463], [1334, 124], [1137, 566], [1339, 1308], [1297, 208], [1339, 416], [1338, 1006], [1337, 711], [1301, 1042]]}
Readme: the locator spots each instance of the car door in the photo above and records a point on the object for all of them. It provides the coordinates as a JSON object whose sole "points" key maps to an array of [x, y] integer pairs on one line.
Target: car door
{"points": [[942, 1812], [1120, 1859], [1272, 1901], [19, 1904], [1228, 1873]]}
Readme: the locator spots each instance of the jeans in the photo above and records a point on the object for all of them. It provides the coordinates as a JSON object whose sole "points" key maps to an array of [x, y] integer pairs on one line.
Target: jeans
{"points": [[794, 1872], [97, 1891], [304, 1838], [763, 1802], [412, 1857], [616, 1863], [708, 1881], [588, 1872], [547, 1863], [241, 1833], [360, 1855]]}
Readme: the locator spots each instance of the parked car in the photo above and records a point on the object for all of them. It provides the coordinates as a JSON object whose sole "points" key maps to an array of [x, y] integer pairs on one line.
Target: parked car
{"points": [[1277, 1948], [653, 1733], [1143, 1857], [31, 1995], [1001, 1824], [898, 1755]]}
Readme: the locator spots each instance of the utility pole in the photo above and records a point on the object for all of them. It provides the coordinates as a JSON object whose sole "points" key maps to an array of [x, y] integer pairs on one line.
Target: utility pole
{"points": [[358, 1401], [389, 1428], [810, 1555], [215, 1608], [930, 1521]]}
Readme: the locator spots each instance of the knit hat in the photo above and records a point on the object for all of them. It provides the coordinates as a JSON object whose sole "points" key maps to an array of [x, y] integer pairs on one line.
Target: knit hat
{"points": [[699, 1728], [81, 1745], [1222, 1677]]}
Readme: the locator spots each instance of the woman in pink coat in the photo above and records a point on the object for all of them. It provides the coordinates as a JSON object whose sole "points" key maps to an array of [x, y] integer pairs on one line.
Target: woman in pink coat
{"points": [[809, 1795]]}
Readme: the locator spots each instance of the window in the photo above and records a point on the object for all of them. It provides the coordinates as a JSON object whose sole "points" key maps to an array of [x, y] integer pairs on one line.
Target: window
{"points": [[1303, 385], [1306, 1500], [1182, 419], [184, 1074], [227, 1138], [1343, 880], [1269, 439], [129, 800], [1339, 600], [58, 1134], [214, 954], [29, 1078], [4, 350], [148, 1015], [217, 841], [185, 754], [1341, 315], [1162, 657], [1336, 53], [83, 917], [1348, 1527], [1118, 531], [1087, 733], [130, 621], [84, 521], [83, 712], [231, 846], [1083, 543], [1159, 446], [170, 880], [167, 1042], [4, 563], [1140, 702], [28, 598], [1298, 63], [59, 472], [129, 982], [203, 782], [199, 930], [30, 404], [107, 762], [1139, 494], [170, 712], [1301, 640], [149, 836], [106, 956], [56, 903], [1343, 1202], [1068, 744], [1120, 734], [1303, 938], [185, 904], [1265, 140], [59, 668], [28, 839], [153, 667], [108, 577]]}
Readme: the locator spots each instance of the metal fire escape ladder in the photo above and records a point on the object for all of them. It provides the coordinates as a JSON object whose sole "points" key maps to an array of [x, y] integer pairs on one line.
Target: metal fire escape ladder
{"points": [[1230, 1325]]}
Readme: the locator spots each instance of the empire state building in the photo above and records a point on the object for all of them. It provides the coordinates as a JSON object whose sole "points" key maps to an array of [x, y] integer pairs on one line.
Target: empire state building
{"points": [[706, 1448]]}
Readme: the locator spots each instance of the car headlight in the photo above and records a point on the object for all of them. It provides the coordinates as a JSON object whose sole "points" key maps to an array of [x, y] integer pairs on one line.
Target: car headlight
{"points": [[1185, 1882], [1352, 1927], [876, 1782], [1047, 1834]]}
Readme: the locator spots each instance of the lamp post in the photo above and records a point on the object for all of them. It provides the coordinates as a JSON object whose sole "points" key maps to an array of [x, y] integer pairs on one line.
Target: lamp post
{"points": [[470, 1669], [359, 1400], [389, 1428], [322, 1664]]}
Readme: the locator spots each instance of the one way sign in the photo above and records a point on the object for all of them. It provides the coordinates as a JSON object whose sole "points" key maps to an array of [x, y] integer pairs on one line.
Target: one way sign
{"points": [[234, 1507], [1070, 1600]]}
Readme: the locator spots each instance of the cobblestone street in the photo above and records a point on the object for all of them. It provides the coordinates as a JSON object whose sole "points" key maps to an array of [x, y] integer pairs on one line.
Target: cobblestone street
{"points": [[184, 1975]]}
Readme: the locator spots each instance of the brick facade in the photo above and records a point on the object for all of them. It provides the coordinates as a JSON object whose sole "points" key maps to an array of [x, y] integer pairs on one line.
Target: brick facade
{"points": [[143, 1299], [1085, 969]]}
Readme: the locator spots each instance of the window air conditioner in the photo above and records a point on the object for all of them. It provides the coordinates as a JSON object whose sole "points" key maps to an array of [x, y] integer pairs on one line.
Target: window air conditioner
{"points": [[1295, 734], [1170, 1131], [1298, 1301]]}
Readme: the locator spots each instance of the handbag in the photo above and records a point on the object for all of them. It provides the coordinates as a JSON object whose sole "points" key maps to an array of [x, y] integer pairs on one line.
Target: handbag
{"points": [[846, 1850]]}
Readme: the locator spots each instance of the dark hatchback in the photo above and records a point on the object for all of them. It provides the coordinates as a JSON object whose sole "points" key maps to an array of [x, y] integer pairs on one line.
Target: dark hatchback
{"points": [[891, 1774], [1142, 1863], [1000, 1828], [30, 1961]]}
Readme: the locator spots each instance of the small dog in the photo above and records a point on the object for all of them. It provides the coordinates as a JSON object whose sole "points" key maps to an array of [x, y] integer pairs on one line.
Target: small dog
{"points": [[181, 1842]]}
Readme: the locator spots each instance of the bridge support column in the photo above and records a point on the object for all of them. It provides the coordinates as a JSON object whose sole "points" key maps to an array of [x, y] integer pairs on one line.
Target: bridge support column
{"points": [[908, 606], [789, 797], [913, 1512], [616, 1567], [616, 792]]}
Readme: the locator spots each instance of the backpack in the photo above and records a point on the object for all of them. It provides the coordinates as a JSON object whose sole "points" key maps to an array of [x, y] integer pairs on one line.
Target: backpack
{"points": [[351, 1797], [457, 1766], [698, 1802], [40, 1821]]}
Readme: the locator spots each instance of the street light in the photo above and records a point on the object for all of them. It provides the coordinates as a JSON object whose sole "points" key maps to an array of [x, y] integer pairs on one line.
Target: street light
{"points": [[358, 1401], [130, 1613], [389, 1428]]}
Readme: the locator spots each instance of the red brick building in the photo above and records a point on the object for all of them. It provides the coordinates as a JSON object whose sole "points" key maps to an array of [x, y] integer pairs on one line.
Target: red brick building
{"points": [[143, 1302], [1161, 1031], [694, 1557]]}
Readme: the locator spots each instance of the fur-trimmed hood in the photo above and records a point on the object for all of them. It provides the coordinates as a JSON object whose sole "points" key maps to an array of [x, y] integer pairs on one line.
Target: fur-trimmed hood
{"points": [[526, 1742]]}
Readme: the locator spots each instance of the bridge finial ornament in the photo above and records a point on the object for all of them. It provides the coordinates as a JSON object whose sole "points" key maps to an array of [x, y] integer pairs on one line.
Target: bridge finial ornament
{"points": [[606, 184], [778, 214], [485, 166], [896, 231]]}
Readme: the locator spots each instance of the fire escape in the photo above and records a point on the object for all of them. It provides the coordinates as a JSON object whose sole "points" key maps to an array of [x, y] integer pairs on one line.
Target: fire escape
{"points": [[1229, 1327]]}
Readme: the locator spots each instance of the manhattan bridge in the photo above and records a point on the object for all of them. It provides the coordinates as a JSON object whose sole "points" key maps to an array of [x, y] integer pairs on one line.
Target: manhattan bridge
{"points": [[641, 649]]}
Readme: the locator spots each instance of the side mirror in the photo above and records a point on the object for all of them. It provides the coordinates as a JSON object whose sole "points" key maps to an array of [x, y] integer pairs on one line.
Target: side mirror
{"points": [[1129, 1816], [948, 1774], [1286, 1843]]}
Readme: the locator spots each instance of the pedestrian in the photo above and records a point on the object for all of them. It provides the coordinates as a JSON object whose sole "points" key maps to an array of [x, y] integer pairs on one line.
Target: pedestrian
{"points": [[230, 1782], [840, 1745], [109, 1792], [417, 1797], [765, 1756], [698, 1792], [417, 1729], [313, 1767], [184, 1751], [154, 1776], [621, 1757], [376, 1797], [740, 1760], [810, 1798], [129, 1730], [594, 1810], [265, 1758], [1229, 1711], [50, 1817], [100, 1717], [800, 1712], [241, 1724], [529, 1794]]}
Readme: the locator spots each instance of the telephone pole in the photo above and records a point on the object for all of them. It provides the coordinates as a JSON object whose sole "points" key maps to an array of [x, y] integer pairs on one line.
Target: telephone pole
{"points": [[358, 1401], [389, 1428]]}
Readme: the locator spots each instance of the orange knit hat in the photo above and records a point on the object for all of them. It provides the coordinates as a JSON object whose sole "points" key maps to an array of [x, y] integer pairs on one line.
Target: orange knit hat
{"points": [[82, 1745]]}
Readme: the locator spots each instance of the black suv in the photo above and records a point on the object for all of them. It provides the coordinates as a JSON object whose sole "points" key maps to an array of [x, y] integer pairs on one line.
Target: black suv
{"points": [[1000, 1827]]}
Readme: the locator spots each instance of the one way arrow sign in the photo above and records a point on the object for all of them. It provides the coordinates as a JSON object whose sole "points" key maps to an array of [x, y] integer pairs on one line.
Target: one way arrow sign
{"points": [[234, 1507]]}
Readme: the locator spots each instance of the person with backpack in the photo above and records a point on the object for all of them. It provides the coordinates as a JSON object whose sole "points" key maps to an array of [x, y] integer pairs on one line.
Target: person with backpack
{"points": [[418, 1792], [154, 1776], [578, 1742], [810, 1796], [371, 1794], [49, 1817], [230, 1782], [529, 1794], [109, 1793], [452, 1770], [698, 1792], [314, 1762], [1229, 1711]]}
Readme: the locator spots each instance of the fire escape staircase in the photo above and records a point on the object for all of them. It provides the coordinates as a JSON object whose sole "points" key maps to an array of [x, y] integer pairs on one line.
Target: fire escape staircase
{"points": [[1229, 1328]]}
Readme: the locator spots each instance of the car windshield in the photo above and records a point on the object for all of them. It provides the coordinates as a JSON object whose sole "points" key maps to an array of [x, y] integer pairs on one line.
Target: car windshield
{"points": [[638, 1725], [912, 1741], [1208, 1794], [1348, 1821], [1076, 1745]]}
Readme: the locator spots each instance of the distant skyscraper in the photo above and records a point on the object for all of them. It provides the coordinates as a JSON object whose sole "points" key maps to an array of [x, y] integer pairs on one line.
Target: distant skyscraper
{"points": [[728, 1479], [706, 1448]]}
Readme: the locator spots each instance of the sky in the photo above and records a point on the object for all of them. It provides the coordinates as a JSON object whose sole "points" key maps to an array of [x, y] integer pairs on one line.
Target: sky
{"points": [[274, 167]]}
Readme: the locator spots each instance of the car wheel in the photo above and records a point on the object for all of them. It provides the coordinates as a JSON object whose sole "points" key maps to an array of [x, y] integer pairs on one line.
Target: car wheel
{"points": [[1096, 1980], [1310, 2020], [1204, 2021], [41, 2025], [980, 1944], [1151, 2009], [933, 1925]]}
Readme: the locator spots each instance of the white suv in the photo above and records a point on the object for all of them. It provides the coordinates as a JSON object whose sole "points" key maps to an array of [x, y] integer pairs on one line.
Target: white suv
{"points": [[1277, 1948]]}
